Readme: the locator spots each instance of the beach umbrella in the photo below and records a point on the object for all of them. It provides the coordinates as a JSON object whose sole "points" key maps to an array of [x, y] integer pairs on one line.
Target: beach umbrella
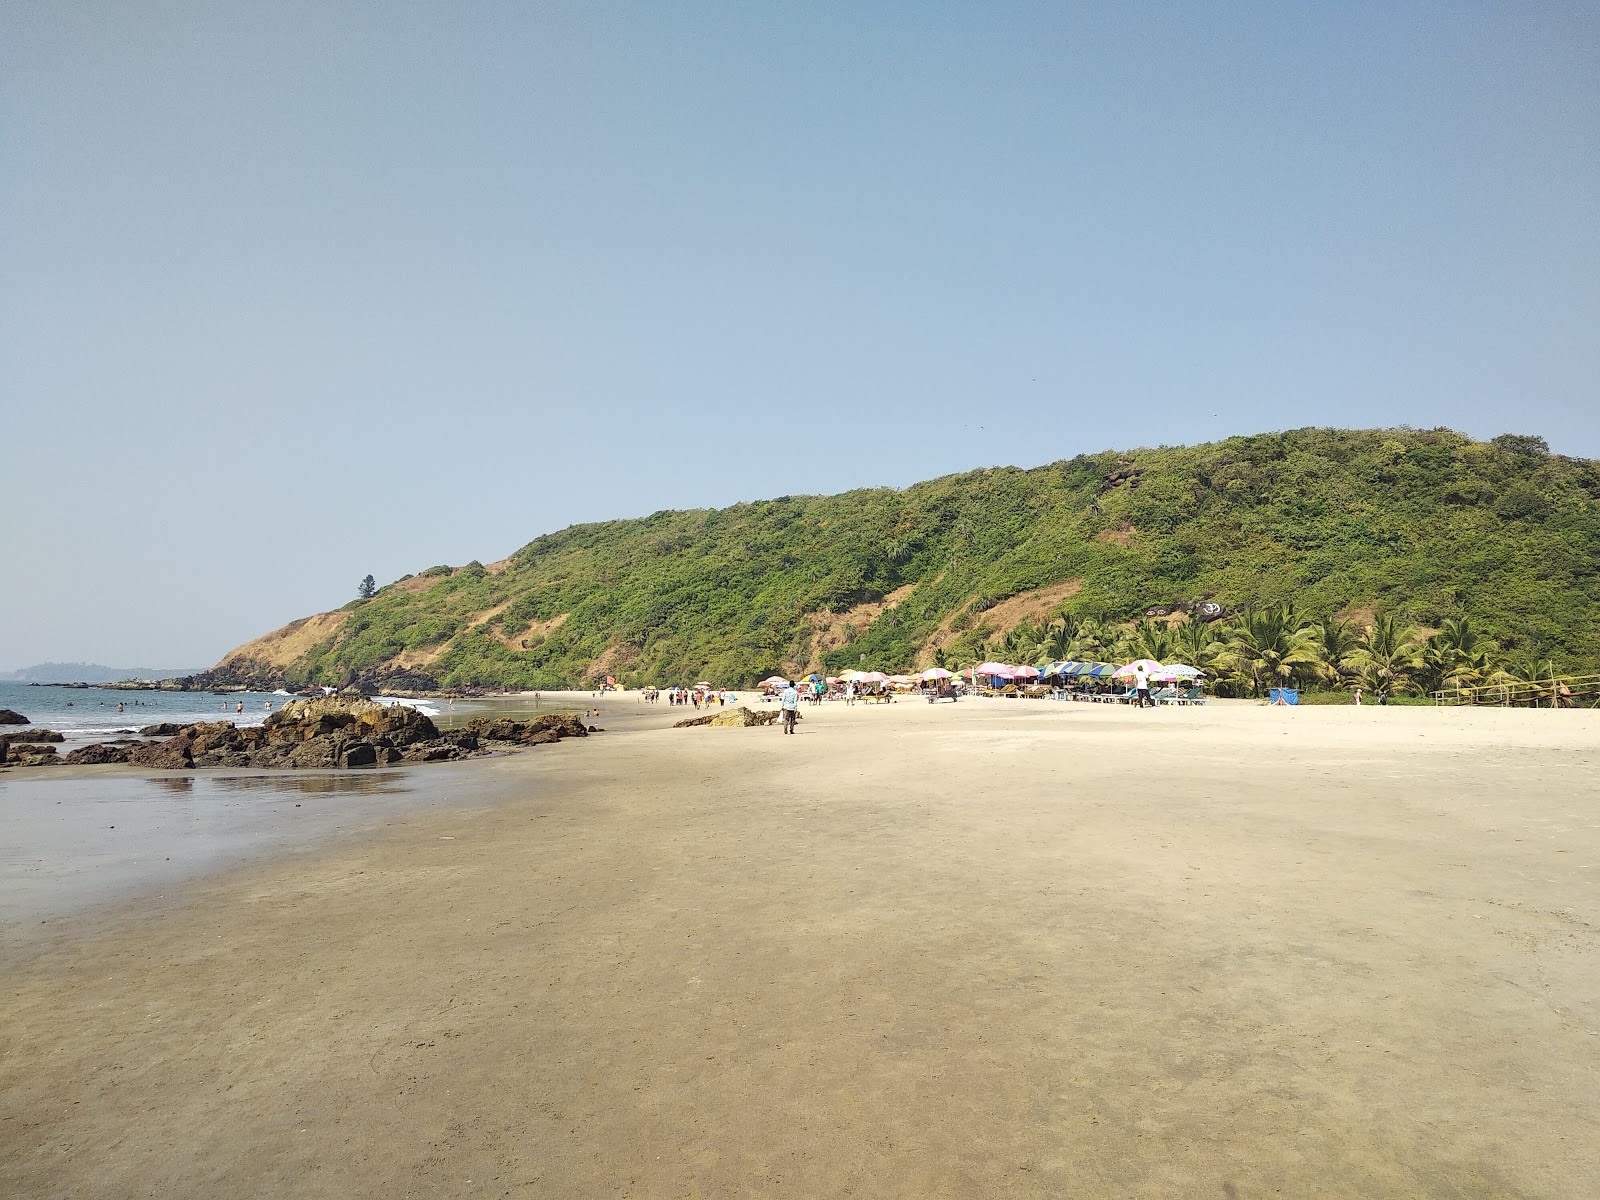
{"points": [[1176, 672], [775, 681], [871, 677], [1150, 665], [936, 673], [813, 677], [902, 679], [998, 670], [1025, 672]]}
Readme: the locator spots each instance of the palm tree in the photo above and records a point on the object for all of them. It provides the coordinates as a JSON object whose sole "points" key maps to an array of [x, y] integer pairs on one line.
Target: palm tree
{"points": [[1387, 654], [1056, 645], [1435, 661], [1194, 642], [1264, 647], [1532, 680], [1088, 644], [1334, 642], [1153, 640], [1457, 633]]}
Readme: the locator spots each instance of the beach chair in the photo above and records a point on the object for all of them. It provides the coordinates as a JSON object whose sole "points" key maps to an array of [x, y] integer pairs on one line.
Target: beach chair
{"points": [[1166, 695]]}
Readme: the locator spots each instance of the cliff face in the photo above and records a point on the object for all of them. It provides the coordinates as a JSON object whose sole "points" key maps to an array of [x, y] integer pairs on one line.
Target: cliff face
{"points": [[1427, 523]]}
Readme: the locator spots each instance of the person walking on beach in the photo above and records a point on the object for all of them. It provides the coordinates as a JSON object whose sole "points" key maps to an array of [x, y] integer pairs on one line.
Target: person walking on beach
{"points": [[790, 699], [1358, 697], [1141, 684]]}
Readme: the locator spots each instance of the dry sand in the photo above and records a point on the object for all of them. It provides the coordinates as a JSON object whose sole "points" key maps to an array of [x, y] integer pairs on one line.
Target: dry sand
{"points": [[996, 948]]}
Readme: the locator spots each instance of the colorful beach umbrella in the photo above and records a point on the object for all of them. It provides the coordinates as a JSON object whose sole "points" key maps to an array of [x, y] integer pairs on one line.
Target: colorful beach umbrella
{"points": [[1024, 672], [1150, 665], [998, 670], [936, 673]]}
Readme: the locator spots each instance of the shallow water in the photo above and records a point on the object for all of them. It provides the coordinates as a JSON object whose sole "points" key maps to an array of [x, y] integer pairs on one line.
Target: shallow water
{"points": [[70, 843], [90, 714]]}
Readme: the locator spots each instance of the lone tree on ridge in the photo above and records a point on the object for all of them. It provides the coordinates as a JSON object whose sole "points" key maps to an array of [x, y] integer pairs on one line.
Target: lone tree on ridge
{"points": [[368, 588]]}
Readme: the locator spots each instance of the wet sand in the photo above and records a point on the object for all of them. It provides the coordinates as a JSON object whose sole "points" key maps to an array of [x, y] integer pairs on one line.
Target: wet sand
{"points": [[992, 948]]}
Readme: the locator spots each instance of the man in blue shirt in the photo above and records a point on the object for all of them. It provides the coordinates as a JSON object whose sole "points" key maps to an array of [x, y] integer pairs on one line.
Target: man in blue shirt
{"points": [[790, 699]]}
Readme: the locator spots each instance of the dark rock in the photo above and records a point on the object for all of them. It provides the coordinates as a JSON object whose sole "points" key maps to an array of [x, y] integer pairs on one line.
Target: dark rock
{"points": [[301, 720], [564, 724], [34, 735], [359, 754], [164, 729], [35, 756], [315, 752], [12, 717], [170, 755], [97, 755], [528, 733]]}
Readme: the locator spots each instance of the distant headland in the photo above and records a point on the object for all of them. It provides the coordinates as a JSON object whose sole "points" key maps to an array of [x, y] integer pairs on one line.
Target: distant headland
{"points": [[1354, 536]]}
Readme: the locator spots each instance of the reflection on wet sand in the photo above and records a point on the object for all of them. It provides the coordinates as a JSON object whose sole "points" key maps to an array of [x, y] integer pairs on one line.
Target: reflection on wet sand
{"points": [[319, 784], [365, 783]]}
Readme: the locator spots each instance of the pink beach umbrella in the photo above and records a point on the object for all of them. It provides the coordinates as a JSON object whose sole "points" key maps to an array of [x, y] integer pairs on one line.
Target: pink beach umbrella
{"points": [[998, 670], [935, 673], [870, 677], [1026, 673]]}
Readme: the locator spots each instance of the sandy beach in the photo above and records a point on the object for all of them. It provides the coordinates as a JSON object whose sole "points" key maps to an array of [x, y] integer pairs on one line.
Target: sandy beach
{"points": [[995, 948]]}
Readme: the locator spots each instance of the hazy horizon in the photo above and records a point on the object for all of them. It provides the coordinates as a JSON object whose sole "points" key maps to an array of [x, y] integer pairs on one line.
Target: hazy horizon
{"points": [[300, 292]]}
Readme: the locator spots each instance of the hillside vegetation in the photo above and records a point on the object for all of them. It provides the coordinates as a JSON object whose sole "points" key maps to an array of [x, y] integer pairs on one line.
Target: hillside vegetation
{"points": [[1348, 527]]}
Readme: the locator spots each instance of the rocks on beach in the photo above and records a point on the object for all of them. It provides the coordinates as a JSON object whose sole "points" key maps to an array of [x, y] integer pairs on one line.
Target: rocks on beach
{"points": [[335, 732], [10, 716], [740, 717]]}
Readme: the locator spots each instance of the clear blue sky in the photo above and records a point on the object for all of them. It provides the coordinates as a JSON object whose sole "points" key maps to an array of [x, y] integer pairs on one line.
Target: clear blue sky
{"points": [[292, 292]]}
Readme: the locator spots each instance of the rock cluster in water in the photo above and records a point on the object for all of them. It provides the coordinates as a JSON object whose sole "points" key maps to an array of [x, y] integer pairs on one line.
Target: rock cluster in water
{"points": [[333, 732]]}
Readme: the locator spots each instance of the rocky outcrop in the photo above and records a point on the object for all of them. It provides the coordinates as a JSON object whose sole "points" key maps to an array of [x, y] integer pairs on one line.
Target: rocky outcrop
{"points": [[9, 716], [26, 755], [34, 735], [737, 718], [548, 728], [332, 733], [99, 755]]}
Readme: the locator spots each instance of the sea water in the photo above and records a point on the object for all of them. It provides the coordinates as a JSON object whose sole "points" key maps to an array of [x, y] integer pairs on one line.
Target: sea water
{"points": [[91, 714], [72, 839]]}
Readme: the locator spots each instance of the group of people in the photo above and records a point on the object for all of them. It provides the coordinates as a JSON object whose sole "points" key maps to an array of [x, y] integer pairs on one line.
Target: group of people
{"points": [[697, 697]]}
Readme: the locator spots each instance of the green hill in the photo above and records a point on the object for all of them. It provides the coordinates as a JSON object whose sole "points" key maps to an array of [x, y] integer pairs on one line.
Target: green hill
{"points": [[1421, 525]]}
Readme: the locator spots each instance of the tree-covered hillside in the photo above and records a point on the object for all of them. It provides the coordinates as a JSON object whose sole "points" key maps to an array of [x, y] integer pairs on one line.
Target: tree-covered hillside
{"points": [[1421, 526]]}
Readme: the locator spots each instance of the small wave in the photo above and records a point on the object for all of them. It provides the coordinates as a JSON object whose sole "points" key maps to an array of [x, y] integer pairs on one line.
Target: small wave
{"points": [[281, 692], [422, 706]]}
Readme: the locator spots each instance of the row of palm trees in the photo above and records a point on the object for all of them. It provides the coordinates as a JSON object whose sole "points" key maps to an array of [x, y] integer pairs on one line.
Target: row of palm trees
{"points": [[1275, 647]]}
